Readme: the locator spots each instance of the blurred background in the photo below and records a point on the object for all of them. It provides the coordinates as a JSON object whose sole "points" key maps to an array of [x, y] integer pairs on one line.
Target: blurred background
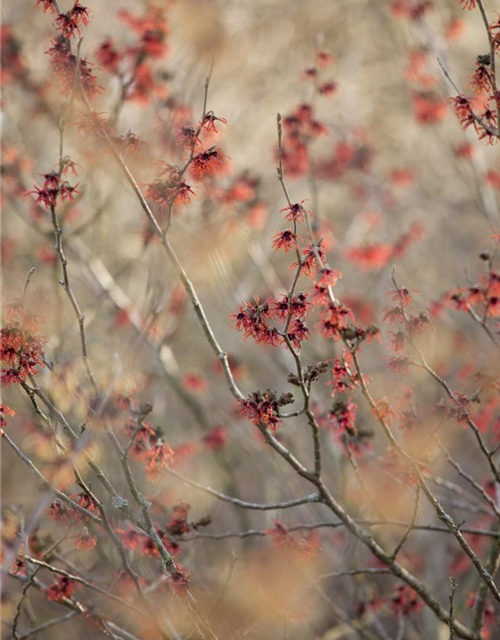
{"points": [[390, 178]]}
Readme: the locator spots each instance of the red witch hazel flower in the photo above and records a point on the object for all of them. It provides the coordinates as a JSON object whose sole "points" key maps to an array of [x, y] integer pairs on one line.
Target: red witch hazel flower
{"points": [[179, 524], [296, 212], [129, 143], [158, 457], [21, 351], [209, 122], [334, 319], [383, 411], [80, 13], [84, 541], [343, 379], [172, 189], [187, 136], [215, 439], [68, 25], [208, 162], [467, 4], [463, 110], [285, 240], [179, 580], [342, 416], [5, 411], [47, 5], [61, 590], [298, 332], [309, 261], [328, 277], [108, 57], [481, 79], [252, 320], [262, 409], [405, 600]]}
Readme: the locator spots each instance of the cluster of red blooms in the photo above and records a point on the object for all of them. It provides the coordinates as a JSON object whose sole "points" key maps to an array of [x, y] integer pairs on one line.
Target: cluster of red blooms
{"points": [[55, 189], [343, 378], [483, 82], [262, 408], [21, 349], [383, 411], [66, 66], [342, 417], [84, 541], [61, 590], [334, 319], [64, 514], [133, 540], [149, 448], [134, 63], [207, 162], [485, 295], [172, 189], [5, 411], [405, 600], [301, 126], [457, 408], [178, 524], [179, 580], [252, 319]]}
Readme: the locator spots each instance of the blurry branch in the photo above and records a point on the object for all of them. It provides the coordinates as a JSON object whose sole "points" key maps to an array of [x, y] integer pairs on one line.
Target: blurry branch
{"points": [[47, 625], [411, 526], [354, 572], [76, 607], [453, 585], [38, 474], [335, 525], [26, 284], [188, 285], [468, 478], [482, 323], [310, 499], [146, 525], [305, 388], [193, 147], [461, 493], [475, 429], [112, 289], [494, 131], [27, 585], [414, 466], [492, 565], [58, 232], [491, 42], [74, 578]]}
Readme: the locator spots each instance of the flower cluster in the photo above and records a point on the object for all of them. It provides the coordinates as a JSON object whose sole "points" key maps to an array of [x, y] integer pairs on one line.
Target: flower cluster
{"points": [[405, 600], [263, 408], [485, 295], [172, 189], [61, 590], [21, 348], [148, 447], [55, 190]]}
